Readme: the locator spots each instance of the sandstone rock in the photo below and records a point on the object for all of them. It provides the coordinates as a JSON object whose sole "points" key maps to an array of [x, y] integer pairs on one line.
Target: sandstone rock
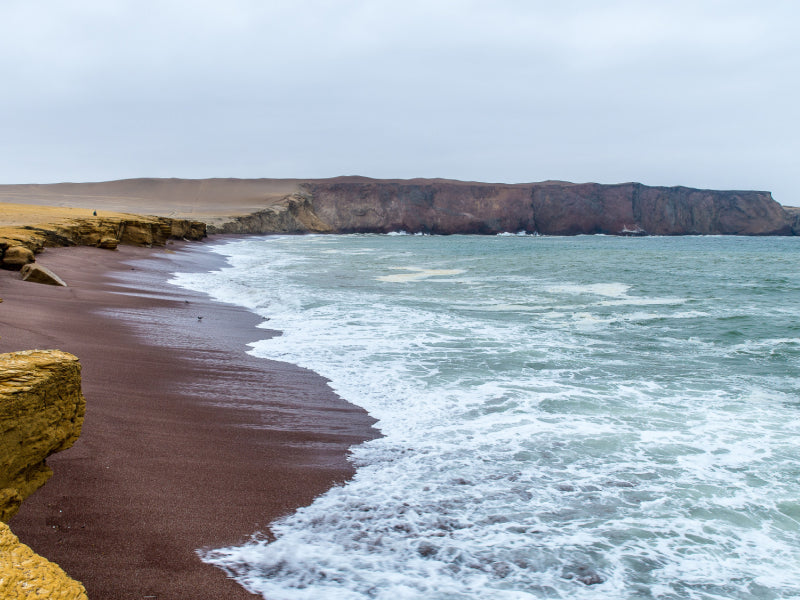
{"points": [[26, 575], [41, 412], [187, 230], [137, 234], [39, 274], [95, 231], [108, 243], [17, 256]]}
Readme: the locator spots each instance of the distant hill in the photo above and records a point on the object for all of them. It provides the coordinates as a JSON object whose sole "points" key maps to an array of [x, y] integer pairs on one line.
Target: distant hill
{"points": [[441, 206]]}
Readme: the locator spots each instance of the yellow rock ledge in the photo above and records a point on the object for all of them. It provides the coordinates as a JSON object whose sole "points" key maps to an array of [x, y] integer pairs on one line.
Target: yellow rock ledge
{"points": [[41, 412], [24, 575]]}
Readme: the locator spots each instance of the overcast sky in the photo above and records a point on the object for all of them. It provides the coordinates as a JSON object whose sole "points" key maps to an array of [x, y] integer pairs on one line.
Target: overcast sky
{"points": [[702, 93]]}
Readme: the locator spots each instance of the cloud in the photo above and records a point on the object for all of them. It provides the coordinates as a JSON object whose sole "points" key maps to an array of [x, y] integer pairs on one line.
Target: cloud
{"points": [[696, 93]]}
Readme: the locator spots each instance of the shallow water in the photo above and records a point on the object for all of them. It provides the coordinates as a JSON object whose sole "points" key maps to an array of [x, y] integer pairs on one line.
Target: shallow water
{"points": [[585, 417]]}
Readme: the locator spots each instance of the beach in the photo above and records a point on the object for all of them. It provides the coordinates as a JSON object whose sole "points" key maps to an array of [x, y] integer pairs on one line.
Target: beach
{"points": [[188, 442], [558, 420]]}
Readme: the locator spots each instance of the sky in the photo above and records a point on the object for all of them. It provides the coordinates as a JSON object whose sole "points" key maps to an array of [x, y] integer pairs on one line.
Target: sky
{"points": [[702, 93]]}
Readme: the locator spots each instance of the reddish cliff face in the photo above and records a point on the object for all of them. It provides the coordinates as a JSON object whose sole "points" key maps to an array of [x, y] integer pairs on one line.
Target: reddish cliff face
{"points": [[680, 211], [794, 215], [361, 205], [555, 208]]}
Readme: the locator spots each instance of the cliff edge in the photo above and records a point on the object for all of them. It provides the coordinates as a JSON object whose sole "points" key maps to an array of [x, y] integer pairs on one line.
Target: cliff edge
{"points": [[444, 206], [25, 230], [362, 205], [548, 208], [41, 412]]}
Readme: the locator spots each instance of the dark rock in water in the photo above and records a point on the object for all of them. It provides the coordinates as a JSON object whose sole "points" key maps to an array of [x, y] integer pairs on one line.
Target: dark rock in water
{"points": [[501, 569], [583, 573], [427, 549]]}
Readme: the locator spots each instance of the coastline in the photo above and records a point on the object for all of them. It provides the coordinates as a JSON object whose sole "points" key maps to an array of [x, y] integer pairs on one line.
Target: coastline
{"points": [[188, 443]]}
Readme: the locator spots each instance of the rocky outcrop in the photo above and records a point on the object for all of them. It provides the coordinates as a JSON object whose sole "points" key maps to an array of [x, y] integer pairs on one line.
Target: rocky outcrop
{"points": [[179, 229], [41, 412], [39, 274], [108, 243], [682, 211], [26, 575], [138, 231], [15, 257], [361, 205], [291, 214], [794, 215], [103, 232], [552, 208]]}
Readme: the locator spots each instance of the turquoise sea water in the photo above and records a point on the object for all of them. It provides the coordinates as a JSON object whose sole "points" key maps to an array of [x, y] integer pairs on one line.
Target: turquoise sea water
{"points": [[584, 417]]}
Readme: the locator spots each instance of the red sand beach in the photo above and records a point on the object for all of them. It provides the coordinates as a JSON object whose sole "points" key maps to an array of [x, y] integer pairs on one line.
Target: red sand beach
{"points": [[188, 441]]}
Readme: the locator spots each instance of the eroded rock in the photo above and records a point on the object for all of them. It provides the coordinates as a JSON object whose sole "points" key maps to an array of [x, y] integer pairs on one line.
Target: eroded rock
{"points": [[41, 412], [139, 233], [19, 243], [26, 575], [39, 274], [16, 257], [108, 243]]}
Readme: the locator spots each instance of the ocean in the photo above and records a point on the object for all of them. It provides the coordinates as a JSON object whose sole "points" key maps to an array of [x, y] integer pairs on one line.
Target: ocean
{"points": [[563, 417]]}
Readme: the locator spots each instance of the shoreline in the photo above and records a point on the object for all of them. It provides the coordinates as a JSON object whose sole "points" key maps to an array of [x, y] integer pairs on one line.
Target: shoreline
{"points": [[188, 443]]}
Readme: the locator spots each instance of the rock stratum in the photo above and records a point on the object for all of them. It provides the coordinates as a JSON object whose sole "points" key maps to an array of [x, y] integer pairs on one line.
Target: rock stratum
{"points": [[41, 412], [446, 207], [23, 235]]}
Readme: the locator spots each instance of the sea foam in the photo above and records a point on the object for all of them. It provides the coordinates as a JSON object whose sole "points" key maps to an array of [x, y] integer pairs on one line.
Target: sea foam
{"points": [[574, 448]]}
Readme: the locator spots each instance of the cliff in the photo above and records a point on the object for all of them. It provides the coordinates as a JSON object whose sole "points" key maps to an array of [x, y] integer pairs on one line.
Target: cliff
{"points": [[360, 204], [27, 230], [292, 214], [357, 204], [551, 208], [41, 412], [794, 215]]}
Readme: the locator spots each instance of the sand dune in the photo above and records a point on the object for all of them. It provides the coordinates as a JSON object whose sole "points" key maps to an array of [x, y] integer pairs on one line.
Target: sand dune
{"points": [[209, 200]]}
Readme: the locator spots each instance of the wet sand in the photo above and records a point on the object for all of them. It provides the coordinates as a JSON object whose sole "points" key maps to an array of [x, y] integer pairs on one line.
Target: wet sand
{"points": [[188, 441]]}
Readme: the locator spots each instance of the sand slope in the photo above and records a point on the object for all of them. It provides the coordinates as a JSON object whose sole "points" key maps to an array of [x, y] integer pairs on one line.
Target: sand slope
{"points": [[208, 200]]}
